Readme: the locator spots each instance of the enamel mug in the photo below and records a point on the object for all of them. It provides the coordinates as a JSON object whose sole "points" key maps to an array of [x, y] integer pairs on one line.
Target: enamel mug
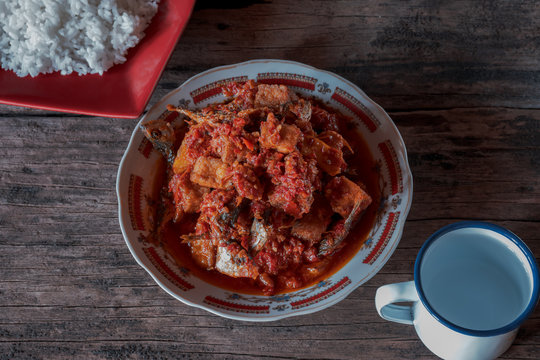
{"points": [[474, 284]]}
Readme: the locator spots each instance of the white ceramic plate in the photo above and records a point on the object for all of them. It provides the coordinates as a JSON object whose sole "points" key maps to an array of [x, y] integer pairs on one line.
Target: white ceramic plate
{"points": [[135, 183]]}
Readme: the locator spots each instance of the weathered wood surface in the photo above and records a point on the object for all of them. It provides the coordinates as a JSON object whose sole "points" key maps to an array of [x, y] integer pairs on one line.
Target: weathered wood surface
{"points": [[461, 81]]}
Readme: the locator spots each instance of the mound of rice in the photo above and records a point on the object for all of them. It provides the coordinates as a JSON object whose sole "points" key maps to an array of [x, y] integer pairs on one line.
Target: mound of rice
{"points": [[85, 36]]}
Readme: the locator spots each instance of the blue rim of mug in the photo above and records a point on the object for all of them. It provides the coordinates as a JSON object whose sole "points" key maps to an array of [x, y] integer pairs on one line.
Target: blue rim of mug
{"points": [[510, 236]]}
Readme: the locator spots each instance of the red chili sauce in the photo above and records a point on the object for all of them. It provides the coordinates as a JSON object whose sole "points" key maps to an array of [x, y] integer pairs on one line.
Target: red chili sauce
{"points": [[300, 261]]}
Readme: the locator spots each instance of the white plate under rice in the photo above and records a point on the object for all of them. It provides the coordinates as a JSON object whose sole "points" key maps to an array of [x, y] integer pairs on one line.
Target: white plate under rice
{"points": [[83, 36]]}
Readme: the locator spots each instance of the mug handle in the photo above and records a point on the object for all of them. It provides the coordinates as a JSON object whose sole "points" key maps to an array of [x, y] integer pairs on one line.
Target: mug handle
{"points": [[387, 295]]}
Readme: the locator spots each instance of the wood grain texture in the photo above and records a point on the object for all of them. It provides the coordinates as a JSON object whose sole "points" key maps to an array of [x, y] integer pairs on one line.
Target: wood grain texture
{"points": [[460, 80]]}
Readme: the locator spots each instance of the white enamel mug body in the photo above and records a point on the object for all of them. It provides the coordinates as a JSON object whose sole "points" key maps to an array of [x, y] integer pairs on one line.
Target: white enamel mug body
{"points": [[474, 284]]}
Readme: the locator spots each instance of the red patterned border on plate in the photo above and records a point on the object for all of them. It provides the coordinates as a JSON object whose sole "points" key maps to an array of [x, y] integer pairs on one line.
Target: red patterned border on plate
{"points": [[390, 157], [322, 295], [230, 306], [213, 89], [165, 270], [293, 80], [134, 201], [351, 103], [385, 237], [145, 147]]}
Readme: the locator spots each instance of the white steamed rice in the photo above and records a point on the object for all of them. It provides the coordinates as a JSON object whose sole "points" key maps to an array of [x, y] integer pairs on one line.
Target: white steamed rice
{"points": [[85, 36]]}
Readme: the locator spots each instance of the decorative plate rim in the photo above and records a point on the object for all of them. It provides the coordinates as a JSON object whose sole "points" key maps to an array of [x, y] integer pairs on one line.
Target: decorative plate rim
{"points": [[335, 298]]}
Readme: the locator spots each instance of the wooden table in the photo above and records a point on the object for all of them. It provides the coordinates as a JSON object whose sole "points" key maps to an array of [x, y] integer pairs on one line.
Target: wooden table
{"points": [[461, 79]]}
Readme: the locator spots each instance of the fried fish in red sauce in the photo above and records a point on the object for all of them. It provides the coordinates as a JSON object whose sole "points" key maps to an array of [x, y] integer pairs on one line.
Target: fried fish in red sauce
{"points": [[263, 178]]}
